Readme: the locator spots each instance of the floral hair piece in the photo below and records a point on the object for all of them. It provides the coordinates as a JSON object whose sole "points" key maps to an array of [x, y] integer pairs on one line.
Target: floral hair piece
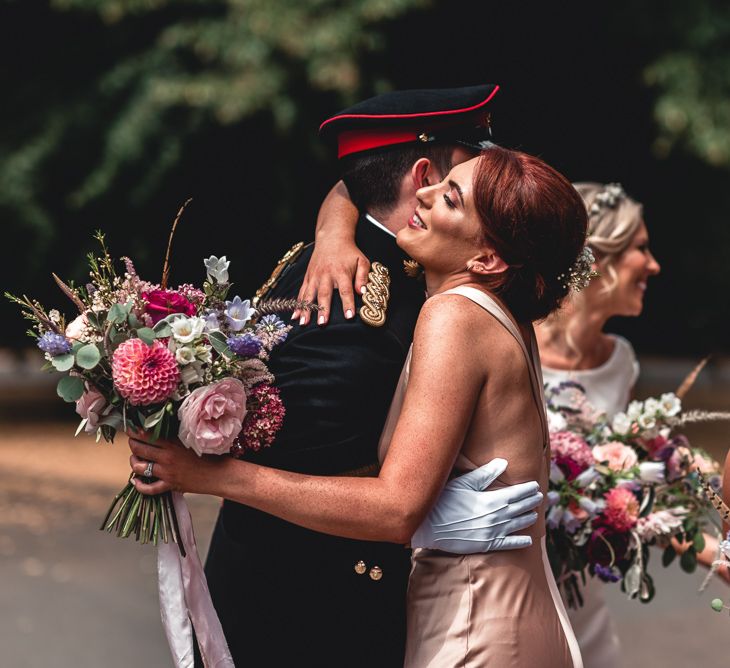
{"points": [[608, 198], [581, 273]]}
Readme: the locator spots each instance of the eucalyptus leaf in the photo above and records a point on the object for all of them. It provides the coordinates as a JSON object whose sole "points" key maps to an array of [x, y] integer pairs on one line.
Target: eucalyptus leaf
{"points": [[70, 388], [119, 338], [94, 320], [134, 321], [162, 329], [698, 542], [688, 561], [117, 314], [147, 335], [63, 362], [220, 347], [114, 420], [217, 336], [88, 356], [151, 420], [668, 556]]}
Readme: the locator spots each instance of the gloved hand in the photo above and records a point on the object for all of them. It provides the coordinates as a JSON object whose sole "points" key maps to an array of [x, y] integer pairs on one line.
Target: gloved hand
{"points": [[467, 520]]}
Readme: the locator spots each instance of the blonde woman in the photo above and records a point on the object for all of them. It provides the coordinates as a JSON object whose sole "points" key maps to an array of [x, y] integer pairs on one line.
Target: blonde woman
{"points": [[573, 346]]}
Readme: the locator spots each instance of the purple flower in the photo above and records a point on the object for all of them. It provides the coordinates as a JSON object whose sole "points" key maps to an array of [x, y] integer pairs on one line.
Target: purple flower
{"points": [[54, 344], [245, 345], [272, 331], [238, 313], [605, 573]]}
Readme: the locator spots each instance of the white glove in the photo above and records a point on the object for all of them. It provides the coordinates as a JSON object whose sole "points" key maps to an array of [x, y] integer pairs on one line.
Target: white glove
{"points": [[467, 520]]}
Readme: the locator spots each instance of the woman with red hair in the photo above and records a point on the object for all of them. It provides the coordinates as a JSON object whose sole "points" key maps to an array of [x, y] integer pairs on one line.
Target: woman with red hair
{"points": [[495, 239]]}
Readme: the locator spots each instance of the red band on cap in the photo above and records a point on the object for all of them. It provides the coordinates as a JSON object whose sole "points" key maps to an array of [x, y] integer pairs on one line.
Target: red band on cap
{"points": [[355, 141]]}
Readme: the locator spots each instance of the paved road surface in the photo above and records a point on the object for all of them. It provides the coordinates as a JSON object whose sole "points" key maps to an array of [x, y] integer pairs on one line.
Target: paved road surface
{"points": [[74, 597]]}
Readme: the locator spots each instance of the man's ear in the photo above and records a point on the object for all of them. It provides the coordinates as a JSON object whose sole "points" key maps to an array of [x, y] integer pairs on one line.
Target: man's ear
{"points": [[487, 264], [423, 174]]}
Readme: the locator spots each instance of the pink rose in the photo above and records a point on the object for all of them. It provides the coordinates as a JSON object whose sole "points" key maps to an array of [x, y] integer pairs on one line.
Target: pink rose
{"points": [[619, 456], [161, 303], [76, 328], [212, 416], [91, 406]]}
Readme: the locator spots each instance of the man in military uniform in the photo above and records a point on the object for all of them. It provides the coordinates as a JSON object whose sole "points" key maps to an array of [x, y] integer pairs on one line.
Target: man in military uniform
{"points": [[288, 596]]}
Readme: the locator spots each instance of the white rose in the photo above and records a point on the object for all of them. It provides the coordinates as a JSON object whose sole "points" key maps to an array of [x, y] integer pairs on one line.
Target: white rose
{"points": [[186, 330], [76, 329], [621, 423], [185, 355], [671, 404], [217, 269]]}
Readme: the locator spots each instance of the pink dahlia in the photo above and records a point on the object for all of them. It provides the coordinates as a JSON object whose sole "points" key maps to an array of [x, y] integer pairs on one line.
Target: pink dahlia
{"points": [[264, 419], [144, 374], [622, 509]]}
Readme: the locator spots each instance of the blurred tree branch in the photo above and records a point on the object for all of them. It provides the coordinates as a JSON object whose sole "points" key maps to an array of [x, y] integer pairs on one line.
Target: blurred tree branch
{"points": [[692, 81]]}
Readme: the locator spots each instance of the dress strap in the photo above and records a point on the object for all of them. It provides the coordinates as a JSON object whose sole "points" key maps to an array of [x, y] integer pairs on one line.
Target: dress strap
{"points": [[532, 355]]}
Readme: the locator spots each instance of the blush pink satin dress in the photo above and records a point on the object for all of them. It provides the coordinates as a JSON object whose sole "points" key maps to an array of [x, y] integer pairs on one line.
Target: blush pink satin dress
{"points": [[494, 610]]}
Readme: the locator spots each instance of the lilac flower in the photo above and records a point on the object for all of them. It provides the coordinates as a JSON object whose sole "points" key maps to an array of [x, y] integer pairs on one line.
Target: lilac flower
{"points": [[212, 323], [54, 344], [605, 573], [245, 345], [238, 313], [272, 331], [555, 514], [552, 497]]}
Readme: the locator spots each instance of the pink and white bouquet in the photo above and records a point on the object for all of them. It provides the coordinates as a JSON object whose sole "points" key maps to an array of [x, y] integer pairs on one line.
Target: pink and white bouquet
{"points": [[185, 362], [619, 486]]}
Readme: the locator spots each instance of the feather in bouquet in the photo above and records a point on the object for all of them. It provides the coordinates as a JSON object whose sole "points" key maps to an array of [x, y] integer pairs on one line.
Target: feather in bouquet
{"points": [[619, 486], [186, 362]]}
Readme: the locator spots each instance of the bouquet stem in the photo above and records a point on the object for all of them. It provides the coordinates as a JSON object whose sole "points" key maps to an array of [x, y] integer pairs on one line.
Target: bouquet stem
{"points": [[149, 518]]}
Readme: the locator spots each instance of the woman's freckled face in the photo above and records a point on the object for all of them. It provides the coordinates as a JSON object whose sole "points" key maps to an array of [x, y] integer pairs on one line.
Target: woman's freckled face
{"points": [[444, 231]]}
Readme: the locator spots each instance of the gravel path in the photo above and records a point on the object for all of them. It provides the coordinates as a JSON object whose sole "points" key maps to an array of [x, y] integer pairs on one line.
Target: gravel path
{"points": [[73, 596]]}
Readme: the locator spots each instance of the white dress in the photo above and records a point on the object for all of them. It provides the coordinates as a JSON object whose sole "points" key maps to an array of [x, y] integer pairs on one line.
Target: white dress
{"points": [[608, 389]]}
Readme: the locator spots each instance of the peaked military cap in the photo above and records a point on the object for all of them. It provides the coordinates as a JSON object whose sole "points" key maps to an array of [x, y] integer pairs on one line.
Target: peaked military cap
{"points": [[444, 115]]}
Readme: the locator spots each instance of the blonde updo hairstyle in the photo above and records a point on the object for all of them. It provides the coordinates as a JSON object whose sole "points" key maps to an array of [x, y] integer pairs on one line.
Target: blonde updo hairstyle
{"points": [[611, 227]]}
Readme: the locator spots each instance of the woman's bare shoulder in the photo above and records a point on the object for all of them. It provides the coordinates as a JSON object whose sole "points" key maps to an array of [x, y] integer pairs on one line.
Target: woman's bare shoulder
{"points": [[457, 319]]}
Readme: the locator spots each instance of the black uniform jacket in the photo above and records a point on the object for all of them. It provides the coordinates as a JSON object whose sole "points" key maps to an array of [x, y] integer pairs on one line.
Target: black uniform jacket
{"points": [[288, 596]]}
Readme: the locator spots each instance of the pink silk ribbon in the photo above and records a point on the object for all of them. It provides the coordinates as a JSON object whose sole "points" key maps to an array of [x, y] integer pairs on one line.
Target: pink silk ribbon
{"points": [[185, 601]]}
